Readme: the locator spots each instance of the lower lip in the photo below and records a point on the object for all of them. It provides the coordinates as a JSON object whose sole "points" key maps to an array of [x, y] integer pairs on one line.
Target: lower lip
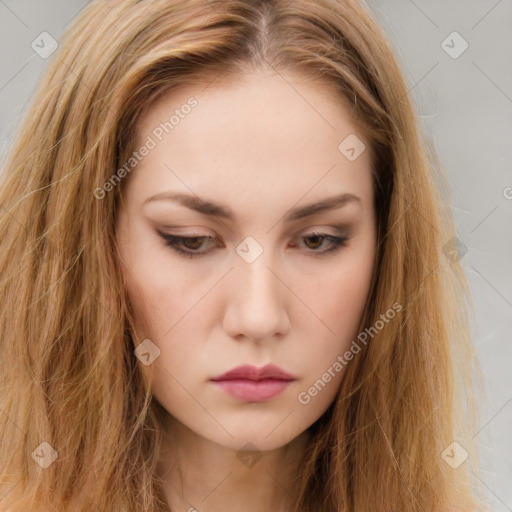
{"points": [[253, 390]]}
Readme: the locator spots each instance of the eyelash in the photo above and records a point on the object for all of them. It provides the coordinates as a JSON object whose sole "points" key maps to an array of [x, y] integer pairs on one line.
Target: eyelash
{"points": [[173, 241]]}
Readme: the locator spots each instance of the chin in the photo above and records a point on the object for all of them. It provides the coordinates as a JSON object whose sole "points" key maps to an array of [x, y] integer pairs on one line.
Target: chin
{"points": [[259, 436]]}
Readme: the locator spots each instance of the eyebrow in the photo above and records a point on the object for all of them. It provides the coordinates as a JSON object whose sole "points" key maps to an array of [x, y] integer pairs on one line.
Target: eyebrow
{"points": [[213, 209]]}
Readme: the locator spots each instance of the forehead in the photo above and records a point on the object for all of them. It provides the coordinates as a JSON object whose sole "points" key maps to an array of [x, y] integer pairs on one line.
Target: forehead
{"points": [[263, 135], [256, 101]]}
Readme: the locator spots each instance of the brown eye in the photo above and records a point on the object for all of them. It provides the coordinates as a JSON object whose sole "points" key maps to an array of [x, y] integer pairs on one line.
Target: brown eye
{"points": [[187, 245], [317, 239], [193, 243]]}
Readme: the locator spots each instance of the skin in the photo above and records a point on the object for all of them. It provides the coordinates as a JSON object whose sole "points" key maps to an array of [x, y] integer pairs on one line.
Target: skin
{"points": [[261, 145]]}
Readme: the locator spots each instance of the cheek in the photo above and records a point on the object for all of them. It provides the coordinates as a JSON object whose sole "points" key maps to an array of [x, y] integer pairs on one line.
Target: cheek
{"points": [[336, 305], [158, 287], [344, 303], [337, 298]]}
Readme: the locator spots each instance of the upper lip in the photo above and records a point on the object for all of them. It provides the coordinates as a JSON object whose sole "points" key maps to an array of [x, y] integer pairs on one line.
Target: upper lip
{"points": [[249, 372]]}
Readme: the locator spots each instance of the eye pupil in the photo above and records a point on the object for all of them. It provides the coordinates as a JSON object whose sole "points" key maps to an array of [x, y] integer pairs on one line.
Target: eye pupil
{"points": [[191, 242], [314, 237]]}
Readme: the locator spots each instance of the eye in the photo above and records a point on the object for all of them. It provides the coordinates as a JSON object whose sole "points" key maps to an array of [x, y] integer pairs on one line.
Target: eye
{"points": [[336, 242], [192, 243], [189, 245]]}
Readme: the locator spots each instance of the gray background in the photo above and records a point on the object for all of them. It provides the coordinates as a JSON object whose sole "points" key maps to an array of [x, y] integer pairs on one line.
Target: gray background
{"points": [[465, 106]]}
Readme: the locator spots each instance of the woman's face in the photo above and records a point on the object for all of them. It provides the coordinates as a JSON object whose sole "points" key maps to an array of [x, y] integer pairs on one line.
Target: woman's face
{"points": [[261, 281]]}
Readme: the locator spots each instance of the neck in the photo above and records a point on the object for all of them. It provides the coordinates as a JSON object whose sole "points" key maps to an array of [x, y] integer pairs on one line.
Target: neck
{"points": [[200, 475]]}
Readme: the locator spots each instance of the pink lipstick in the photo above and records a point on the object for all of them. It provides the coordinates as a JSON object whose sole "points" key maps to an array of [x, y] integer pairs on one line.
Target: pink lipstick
{"points": [[251, 384]]}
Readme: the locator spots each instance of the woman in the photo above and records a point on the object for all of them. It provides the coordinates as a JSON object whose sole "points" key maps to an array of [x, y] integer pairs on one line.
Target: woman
{"points": [[223, 275]]}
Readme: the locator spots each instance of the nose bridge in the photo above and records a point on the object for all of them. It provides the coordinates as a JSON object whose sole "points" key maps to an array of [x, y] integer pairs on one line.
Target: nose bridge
{"points": [[257, 277], [257, 304]]}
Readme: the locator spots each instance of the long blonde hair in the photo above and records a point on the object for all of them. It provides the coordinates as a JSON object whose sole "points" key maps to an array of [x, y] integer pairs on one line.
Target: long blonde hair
{"points": [[69, 376]]}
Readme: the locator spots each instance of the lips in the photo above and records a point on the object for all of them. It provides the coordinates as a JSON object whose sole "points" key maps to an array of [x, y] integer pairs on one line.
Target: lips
{"points": [[248, 372], [250, 384]]}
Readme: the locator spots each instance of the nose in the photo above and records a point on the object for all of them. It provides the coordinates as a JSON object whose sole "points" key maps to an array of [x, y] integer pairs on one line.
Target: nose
{"points": [[256, 301]]}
